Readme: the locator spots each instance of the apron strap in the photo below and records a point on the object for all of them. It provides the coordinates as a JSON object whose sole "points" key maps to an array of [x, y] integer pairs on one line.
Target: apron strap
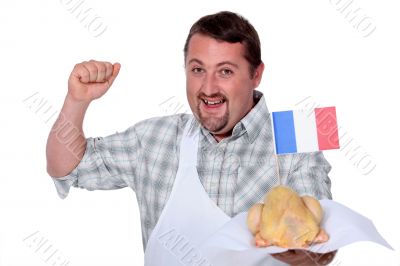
{"points": [[189, 144]]}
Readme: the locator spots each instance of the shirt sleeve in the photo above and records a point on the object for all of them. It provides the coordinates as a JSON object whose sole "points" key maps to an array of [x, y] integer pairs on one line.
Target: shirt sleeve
{"points": [[108, 163], [308, 175]]}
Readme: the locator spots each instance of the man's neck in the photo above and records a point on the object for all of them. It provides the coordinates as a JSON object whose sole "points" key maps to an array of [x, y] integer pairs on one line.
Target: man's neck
{"points": [[219, 137]]}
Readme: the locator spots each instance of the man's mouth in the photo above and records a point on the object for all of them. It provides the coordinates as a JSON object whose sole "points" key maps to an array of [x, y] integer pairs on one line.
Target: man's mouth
{"points": [[213, 103]]}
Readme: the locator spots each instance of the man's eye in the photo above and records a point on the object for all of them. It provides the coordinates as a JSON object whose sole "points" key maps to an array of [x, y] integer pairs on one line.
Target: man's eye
{"points": [[197, 70], [226, 72]]}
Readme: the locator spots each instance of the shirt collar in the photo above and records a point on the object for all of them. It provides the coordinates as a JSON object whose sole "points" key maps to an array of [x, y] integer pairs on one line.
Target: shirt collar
{"points": [[250, 125]]}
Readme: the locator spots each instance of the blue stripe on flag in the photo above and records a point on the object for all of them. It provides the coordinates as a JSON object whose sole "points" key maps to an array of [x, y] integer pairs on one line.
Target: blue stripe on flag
{"points": [[285, 137]]}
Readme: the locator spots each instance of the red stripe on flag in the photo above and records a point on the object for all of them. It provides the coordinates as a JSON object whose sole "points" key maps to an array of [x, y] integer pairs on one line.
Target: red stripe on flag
{"points": [[327, 129]]}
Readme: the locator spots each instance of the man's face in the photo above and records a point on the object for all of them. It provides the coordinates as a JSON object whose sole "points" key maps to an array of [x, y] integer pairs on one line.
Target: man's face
{"points": [[219, 86]]}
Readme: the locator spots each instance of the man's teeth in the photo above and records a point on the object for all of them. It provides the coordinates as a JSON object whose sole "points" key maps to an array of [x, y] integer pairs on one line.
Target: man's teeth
{"points": [[212, 102]]}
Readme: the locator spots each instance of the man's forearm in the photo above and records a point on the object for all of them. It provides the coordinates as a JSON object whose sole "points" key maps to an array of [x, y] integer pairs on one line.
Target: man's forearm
{"points": [[66, 143]]}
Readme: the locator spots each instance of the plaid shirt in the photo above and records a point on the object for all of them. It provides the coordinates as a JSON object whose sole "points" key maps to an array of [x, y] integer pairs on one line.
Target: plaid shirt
{"points": [[236, 172]]}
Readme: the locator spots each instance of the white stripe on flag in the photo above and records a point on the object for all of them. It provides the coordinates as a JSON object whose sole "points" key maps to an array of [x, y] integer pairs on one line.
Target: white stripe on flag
{"points": [[306, 131]]}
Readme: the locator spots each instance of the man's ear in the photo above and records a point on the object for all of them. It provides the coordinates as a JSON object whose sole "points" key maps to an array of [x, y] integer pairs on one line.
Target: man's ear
{"points": [[257, 75]]}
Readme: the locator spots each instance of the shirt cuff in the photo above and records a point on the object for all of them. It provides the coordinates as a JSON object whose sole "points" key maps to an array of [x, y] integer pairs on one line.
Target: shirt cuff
{"points": [[64, 183]]}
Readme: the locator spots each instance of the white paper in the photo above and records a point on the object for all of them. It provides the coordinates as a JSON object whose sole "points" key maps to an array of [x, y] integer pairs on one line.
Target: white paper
{"points": [[343, 225]]}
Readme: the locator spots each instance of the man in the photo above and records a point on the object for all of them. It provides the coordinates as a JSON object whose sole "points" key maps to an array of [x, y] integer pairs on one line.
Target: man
{"points": [[234, 161]]}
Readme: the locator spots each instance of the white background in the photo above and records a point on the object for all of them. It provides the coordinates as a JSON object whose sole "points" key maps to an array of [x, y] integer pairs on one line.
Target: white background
{"points": [[310, 49]]}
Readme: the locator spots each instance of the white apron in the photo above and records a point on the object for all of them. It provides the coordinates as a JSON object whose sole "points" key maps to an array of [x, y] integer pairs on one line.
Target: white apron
{"points": [[182, 235]]}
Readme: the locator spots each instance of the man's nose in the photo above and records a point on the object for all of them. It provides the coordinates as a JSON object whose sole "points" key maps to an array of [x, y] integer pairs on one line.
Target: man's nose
{"points": [[210, 84]]}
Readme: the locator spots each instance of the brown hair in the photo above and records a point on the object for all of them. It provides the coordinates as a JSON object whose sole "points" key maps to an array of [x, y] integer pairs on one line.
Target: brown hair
{"points": [[229, 27]]}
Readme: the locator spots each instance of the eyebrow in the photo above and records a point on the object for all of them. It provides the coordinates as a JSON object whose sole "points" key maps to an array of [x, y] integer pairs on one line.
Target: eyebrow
{"points": [[195, 60]]}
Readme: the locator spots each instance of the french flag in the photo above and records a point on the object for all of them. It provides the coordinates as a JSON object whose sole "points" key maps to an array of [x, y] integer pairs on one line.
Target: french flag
{"points": [[301, 131]]}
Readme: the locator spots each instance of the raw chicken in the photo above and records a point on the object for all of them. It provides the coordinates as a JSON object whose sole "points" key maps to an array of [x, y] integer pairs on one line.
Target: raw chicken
{"points": [[286, 220]]}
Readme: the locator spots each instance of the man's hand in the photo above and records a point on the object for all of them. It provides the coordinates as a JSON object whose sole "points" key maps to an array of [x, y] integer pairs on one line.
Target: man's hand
{"points": [[300, 257], [91, 80]]}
